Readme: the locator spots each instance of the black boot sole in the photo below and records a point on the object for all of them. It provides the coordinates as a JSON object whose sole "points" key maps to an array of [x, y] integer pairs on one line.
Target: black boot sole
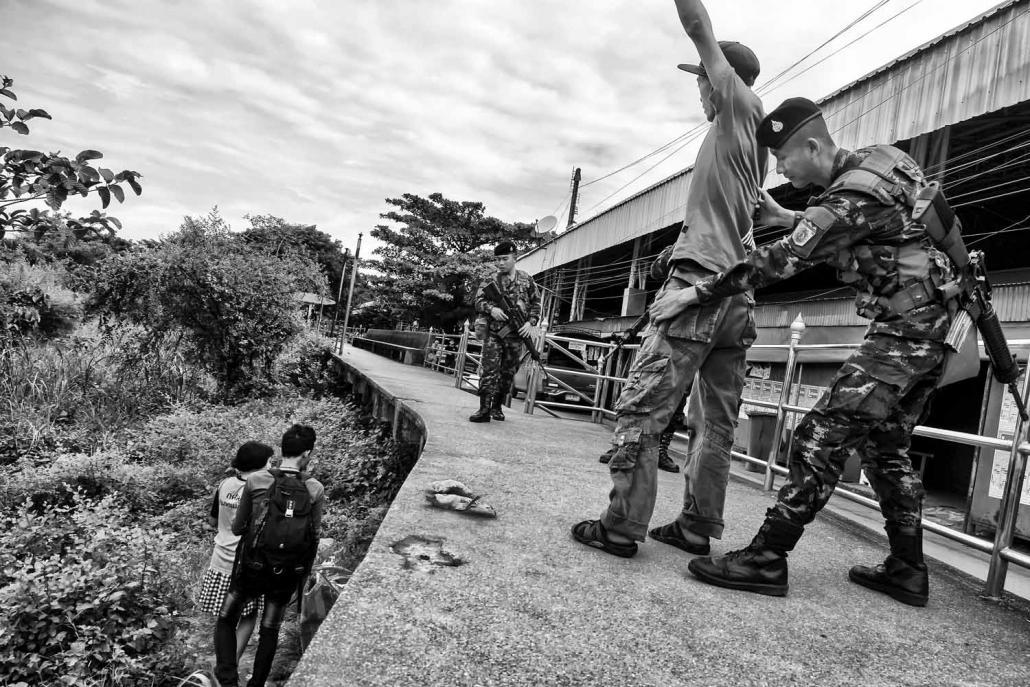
{"points": [[473, 418], [895, 593], [756, 587]]}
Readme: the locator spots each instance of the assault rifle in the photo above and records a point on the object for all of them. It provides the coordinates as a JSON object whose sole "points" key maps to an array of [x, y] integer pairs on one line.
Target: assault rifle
{"points": [[515, 320], [971, 286]]}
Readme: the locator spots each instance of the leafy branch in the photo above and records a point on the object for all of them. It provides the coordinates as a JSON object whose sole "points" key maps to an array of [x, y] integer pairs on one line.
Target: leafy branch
{"points": [[32, 175]]}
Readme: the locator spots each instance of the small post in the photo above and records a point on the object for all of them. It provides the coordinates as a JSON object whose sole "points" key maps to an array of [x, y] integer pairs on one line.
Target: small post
{"points": [[350, 293], [339, 293], [797, 328]]}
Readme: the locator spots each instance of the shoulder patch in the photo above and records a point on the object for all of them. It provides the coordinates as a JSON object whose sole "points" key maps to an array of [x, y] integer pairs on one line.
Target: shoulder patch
{"points": [[816, 221], [804, 232]]}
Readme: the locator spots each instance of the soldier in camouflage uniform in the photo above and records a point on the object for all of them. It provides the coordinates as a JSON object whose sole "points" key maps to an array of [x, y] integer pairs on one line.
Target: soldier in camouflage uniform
{"points": [[502, 347], [861, 225]]}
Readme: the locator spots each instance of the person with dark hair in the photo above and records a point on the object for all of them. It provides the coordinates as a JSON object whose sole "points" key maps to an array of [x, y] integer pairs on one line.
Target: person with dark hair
{"points": [[502, 345], [863, 226], [709, 342], [278, 522], [250, 457]]}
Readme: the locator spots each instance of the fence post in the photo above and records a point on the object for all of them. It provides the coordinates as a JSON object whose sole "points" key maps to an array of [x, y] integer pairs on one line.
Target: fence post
{"points": [[602, 387], [797, 328], [459, 364], [531, 384], [1008, 513]]}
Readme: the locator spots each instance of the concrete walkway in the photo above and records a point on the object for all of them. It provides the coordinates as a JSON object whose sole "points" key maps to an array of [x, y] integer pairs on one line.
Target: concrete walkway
{"points": [[530, 606]]}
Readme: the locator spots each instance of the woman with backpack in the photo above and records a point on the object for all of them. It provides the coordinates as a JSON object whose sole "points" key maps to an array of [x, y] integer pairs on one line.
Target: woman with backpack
{"points": [[279, 518], [250, 457]]}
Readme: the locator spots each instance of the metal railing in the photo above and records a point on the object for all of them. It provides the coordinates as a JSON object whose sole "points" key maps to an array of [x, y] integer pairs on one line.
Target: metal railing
{"points": [[442, 353], [618, 358]]}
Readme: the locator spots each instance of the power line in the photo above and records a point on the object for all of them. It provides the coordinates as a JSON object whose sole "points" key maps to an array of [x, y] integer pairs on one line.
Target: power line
{"points": [[764, 88]]}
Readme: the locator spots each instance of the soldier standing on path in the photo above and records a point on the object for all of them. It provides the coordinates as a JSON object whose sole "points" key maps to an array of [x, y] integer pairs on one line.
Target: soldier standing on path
{"points": [[708, 341], [862, 225], [502, 347]]}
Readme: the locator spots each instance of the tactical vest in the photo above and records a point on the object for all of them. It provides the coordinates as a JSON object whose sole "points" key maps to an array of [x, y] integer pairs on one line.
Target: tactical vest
{"points": [[896, 268]]}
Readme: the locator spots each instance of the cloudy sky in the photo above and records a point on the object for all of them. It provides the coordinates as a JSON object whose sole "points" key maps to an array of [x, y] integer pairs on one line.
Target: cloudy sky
{"points": [[316, 111]]}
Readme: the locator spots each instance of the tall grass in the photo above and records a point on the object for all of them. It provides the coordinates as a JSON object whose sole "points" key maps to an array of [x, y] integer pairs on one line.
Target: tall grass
{"points": [[75, 393]]}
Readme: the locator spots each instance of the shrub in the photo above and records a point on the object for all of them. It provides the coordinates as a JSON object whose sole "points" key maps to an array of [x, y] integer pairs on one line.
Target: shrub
{"points": [[232, 304], [304, 364], [95, 602]]}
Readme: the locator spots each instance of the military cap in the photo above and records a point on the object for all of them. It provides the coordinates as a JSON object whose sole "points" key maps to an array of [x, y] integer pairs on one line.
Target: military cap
{"points": [[783, 122], [740, 57], [504, 248]]}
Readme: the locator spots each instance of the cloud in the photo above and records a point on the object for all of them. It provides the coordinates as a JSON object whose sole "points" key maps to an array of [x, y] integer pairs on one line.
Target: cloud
{"points": [[317, 112]]}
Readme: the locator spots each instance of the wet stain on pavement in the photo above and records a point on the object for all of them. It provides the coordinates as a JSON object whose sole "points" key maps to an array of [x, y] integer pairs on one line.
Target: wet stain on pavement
{"points": [[423, 553]]}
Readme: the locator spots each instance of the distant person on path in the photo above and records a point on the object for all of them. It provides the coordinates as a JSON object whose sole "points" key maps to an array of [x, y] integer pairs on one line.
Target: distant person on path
{"points": [[862, 225], [709, 341], [279, 520], [250, 457], [502, 347]]}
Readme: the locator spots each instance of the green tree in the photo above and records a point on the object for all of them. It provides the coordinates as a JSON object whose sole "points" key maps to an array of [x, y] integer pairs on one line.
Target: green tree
{"points": [[31, 175], [277, 236], [432, 260], [232, 306]]}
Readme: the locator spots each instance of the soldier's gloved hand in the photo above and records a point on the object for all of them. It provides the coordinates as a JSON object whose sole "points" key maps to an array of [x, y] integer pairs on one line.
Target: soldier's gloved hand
{"points": [[498, 314], [526, 329], [671, 302]]}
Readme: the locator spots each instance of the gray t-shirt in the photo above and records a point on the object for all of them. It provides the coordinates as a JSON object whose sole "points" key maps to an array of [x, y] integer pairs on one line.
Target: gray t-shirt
{"points": [[724, 185]]}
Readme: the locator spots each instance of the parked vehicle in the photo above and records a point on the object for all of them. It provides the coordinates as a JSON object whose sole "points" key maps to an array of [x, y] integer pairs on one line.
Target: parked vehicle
{"points": [[560, 366]]}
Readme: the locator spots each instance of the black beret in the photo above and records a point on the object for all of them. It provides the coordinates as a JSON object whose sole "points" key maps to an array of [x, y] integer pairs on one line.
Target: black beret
{"points": [[504, 248], [780, 124]]}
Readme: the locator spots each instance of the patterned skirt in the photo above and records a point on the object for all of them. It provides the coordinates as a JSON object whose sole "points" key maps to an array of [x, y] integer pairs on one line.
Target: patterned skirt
{"points": [[212, 593]]}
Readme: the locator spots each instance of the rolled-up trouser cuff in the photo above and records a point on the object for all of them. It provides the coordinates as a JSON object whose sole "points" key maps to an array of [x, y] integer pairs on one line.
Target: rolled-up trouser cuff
{"points": [[705, 527], [634, 489]]}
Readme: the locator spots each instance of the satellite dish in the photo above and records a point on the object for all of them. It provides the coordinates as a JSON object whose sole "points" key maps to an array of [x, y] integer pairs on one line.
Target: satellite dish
{"points": [[546, 224]]}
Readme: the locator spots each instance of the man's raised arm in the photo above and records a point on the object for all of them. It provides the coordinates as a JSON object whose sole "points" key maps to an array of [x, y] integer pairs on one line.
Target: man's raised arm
{"points": [[698, 26]]}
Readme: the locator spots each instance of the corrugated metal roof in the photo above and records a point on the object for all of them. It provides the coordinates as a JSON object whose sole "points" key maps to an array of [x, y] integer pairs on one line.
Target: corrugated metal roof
{"points": [[978, 67], [659, 206]]}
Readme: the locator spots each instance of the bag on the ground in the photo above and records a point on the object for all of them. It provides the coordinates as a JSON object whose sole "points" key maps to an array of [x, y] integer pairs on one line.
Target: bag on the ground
{"points": [[284, 539]]}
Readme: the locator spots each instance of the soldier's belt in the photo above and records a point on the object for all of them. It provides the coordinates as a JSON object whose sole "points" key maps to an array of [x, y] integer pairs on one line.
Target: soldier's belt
{"points": [[910, 297]]}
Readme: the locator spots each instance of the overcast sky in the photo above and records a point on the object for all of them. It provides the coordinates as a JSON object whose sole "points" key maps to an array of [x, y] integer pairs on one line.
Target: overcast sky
{"points": [[318, 111]]}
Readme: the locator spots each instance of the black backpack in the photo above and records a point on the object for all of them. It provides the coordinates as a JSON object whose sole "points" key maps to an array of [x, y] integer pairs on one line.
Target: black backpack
{"points": [[284, 539]]}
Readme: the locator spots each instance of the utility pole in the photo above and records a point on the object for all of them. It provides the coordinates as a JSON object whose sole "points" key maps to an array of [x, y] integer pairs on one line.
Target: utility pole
{"points": [[339, 292], [575, 197], [350, 294]]}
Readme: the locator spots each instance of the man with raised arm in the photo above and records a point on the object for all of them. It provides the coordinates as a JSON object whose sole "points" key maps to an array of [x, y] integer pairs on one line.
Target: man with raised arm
{"points": [[711, 340], [863, 226]]}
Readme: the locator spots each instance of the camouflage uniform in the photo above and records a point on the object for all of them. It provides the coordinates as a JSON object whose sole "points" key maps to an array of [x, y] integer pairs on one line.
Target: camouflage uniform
{"points": [[883, 389], [502, 348]]}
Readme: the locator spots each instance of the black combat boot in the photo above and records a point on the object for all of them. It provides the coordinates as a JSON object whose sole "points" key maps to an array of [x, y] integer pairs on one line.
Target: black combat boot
{"points": [[902, 575], [483, 414], [761, 567], [606, 457], [664, 461], [496, 409]]}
